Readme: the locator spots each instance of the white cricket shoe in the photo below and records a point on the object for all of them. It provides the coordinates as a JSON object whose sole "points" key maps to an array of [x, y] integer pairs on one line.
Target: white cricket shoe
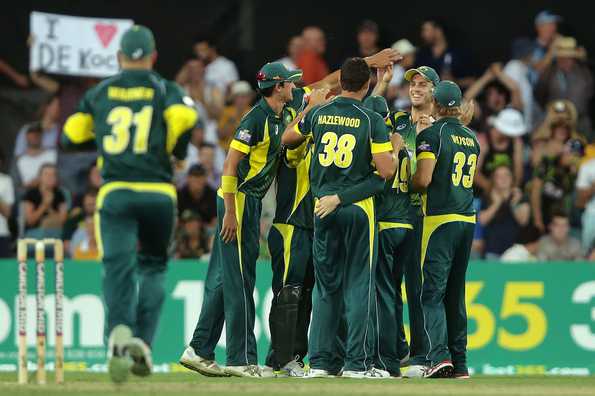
{"points": [[373, 373], [206, 367], [267, 372], [415, 371], [250, 371], [119, 362], [317, 373], [141, 357], [291, 369]]}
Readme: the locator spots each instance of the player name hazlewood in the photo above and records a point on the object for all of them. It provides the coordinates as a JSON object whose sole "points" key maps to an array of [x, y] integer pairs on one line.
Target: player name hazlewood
{"points": [[339, 120]]}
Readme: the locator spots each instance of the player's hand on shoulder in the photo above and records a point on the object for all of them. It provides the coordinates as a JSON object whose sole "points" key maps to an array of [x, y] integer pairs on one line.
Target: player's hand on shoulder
{"points": [[318, 97], [425, 121]]}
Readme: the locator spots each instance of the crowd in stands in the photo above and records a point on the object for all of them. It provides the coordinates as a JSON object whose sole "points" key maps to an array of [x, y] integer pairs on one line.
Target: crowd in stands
{"points": [[535, 180]]}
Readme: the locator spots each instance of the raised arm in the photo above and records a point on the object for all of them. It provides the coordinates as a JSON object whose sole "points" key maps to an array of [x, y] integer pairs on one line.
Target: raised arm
{"points": [[381, 59]]}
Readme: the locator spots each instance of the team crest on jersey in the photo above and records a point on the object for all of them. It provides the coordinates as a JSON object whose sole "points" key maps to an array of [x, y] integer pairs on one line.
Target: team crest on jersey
{"points": [[401, 127], [276, 129], [424, 146], [244, 135]]}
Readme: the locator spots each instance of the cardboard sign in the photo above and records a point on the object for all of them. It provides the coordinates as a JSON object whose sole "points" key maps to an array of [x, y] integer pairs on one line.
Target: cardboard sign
{"points": [[75, 46]]}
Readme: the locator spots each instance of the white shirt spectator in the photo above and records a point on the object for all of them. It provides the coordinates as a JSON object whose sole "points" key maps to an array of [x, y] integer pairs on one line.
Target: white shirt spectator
{"points": [[28, 165], [7, 197], [49, 140], [584, 181], [221, 72], [519, 72], [517, 253]]}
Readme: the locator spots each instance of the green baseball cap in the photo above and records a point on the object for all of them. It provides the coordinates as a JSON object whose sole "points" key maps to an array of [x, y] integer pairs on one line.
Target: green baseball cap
{"points": [[377, 104], [426, 71], [448, 94], [137, 42], [276, 72]]}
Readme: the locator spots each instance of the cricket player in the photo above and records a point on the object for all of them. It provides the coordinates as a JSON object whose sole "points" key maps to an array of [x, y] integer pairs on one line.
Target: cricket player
{"points": [[137, 120], [447, 153], [347, 138], [249, 170], [422, 81]]}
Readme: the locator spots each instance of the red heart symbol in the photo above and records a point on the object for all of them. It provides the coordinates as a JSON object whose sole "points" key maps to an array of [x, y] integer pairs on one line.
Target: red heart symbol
{"points": [[105, 33]]}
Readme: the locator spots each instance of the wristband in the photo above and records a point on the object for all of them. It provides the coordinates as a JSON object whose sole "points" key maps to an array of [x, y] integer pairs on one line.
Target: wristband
{"points": [[229, 184]]}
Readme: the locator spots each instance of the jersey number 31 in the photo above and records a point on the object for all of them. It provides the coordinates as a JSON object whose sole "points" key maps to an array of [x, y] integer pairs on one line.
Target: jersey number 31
{"points": [[121, 118]]}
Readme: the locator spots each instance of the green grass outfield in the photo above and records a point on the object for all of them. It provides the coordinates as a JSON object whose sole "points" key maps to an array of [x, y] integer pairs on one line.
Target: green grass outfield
{"points": [[193, 384]]}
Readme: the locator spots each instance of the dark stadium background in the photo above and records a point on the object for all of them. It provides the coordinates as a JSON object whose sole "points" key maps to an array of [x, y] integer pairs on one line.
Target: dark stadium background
{"points": [[253, 31]]}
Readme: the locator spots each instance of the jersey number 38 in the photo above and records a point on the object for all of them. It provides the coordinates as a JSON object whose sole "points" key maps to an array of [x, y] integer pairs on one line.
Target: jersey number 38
{"points": [[337, 150]]}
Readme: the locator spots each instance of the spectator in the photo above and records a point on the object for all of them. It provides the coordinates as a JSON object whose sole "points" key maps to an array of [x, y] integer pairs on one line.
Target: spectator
{"points": [[294, 49], [94, 179], [503, 213], [518, 70], [502, 145], [76, 217], [197, 196], [558, 245], [6, 202], [311, 59], [450, 63], [192, 157], [84, 245], [585, 199], [29, 164], [241, 96], [397, 94], [568, 77], [191, 241], [49, 126], [546, 27], [367, 38], [498, 92], [207, 154], [208, 97], [525, 250], [220, 71], [556, 159], [45, 205]]}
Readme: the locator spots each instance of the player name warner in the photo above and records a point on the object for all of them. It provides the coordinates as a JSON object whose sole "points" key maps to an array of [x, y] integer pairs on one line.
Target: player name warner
{"points": [[339, 120]]}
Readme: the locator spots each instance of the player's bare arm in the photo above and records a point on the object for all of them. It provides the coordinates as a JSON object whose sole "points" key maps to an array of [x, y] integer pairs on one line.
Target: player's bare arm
{"points": [[423, 175], [386, 57], [229, 186], [292, 137]]}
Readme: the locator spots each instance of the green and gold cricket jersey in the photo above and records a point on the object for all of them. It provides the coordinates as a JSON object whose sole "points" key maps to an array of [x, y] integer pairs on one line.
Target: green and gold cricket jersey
{"points": [[455, 149], [345, 135], [259, 137], [295, 204], [137, 120], [403, 125], [393, 203]]}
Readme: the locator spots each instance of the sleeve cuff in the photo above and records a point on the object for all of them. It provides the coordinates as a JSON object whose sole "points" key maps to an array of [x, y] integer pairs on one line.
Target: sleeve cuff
{"points": [[381, 147], [426, 155], [296, 128], [239, 146]]}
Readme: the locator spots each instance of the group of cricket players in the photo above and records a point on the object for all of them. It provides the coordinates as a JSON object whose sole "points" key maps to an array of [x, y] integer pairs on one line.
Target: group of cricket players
{"points": [[364, 198]]}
